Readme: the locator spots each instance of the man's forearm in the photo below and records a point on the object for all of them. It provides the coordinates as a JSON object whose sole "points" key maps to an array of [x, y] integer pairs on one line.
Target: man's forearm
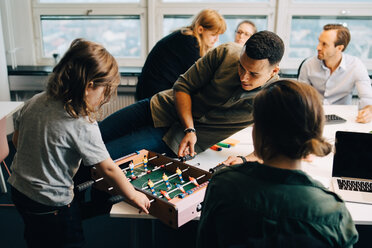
{"points": [[184, 108]]}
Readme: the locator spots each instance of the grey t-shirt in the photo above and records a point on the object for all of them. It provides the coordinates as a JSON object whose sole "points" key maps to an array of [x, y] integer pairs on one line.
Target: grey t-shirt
{"points": [[51, 145]]}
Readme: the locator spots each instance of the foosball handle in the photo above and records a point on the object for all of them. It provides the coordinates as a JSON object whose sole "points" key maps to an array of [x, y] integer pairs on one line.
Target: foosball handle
{"points": [[115, 199], [217, 168], [84, 186], [199, 207], [186, 158]]}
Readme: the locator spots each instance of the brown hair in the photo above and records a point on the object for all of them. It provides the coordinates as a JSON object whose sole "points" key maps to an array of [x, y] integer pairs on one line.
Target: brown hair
{"points": [[209, 19], [84, 62], [288, 120], [343, 34], [247, 22]]}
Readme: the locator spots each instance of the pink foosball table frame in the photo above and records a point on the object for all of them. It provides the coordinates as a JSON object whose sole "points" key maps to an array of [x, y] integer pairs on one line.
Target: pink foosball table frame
{"points": [[180, 209]]}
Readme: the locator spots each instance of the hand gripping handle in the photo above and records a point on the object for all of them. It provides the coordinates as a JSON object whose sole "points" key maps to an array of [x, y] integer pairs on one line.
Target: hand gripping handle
{"points": [[217, 168]]}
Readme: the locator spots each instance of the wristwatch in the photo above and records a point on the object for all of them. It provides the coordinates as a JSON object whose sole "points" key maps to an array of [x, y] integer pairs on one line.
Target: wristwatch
{"points": [[189, 130]]}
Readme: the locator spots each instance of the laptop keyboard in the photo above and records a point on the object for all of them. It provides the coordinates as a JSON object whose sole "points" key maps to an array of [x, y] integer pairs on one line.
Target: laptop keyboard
{"points": [[354, 185], [334, 119]]}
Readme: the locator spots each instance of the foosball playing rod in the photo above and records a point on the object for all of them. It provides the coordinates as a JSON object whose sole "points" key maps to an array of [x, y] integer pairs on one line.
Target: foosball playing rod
{"points": [[126, 168], [171, 191], [89, 183], [129, 179], [187, 183], [170, 177], [156, 168]]}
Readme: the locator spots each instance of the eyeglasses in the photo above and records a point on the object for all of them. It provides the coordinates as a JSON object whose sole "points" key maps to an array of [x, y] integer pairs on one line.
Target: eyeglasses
{"points": [[239, 32]]}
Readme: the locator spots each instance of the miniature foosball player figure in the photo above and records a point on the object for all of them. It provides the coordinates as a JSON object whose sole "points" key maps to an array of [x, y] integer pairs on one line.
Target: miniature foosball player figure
{"points": [[193, 180], [179, 173], [165, 179], [145, 161], [151, 186], [179, 186], [165, 194], [131, 168]]}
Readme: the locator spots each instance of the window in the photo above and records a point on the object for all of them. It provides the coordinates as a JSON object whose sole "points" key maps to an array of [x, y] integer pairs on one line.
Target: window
{"points": [[119, 34], [122, 26], [130, 28], [332, 1], [300, 22], [305, 32], [174, 14], [119, 25], [173, 22], [89, 1], [215, 1]]}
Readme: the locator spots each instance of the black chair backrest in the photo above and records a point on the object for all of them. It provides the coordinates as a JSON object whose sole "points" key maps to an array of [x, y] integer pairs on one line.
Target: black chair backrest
{"points": [[299, 68]]}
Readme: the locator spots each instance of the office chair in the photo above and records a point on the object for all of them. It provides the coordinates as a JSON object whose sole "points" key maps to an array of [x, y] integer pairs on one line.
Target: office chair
{"points": [[299, 68], [4, 151]]}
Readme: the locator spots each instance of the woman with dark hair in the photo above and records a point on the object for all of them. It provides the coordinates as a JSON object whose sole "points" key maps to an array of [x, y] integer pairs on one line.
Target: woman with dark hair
{"points": [[276, 202], [176, 52]]}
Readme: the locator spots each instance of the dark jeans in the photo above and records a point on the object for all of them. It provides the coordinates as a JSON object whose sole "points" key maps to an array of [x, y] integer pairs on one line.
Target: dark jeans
{"points": [[131, 129], [48, 226], [125, 131]]}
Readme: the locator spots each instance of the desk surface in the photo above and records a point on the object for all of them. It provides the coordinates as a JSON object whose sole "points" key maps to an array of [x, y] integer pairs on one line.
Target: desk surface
{"points": [[320, 168], [8, 108]]}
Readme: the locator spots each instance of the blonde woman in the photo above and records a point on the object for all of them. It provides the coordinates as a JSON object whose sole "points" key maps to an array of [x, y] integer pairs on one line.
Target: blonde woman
{"points": [[176, 52]]}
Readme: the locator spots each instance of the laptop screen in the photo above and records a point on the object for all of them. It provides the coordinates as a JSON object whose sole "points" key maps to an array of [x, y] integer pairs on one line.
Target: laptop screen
{"points": [[353, 155]]}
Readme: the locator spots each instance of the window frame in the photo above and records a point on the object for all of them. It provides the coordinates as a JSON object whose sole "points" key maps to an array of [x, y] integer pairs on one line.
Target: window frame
{"points": [[290, 8], [42, 9], [255, 9], [279, 19]]}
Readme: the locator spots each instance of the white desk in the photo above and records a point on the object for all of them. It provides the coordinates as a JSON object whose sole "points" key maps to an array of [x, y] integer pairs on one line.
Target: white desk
{"points": [[319, 168], [9, 108], [6, 110]]}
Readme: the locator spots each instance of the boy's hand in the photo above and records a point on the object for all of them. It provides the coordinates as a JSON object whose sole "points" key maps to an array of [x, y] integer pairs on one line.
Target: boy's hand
{"points": [[142, 202]]}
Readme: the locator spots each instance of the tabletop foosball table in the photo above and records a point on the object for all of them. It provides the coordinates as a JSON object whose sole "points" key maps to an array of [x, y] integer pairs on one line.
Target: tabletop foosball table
{"points": [[174, 188]]}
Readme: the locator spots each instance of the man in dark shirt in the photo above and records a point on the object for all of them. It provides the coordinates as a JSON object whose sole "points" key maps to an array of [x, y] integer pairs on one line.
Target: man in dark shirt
{"points": [[207, 104]]}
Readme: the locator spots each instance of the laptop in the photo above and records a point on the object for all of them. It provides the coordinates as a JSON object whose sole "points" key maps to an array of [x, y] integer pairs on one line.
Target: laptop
{"points": [[352, 167]]}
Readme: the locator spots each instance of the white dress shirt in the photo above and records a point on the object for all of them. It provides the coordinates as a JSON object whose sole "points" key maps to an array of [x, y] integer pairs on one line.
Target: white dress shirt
{"points": [[338, 87]]}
